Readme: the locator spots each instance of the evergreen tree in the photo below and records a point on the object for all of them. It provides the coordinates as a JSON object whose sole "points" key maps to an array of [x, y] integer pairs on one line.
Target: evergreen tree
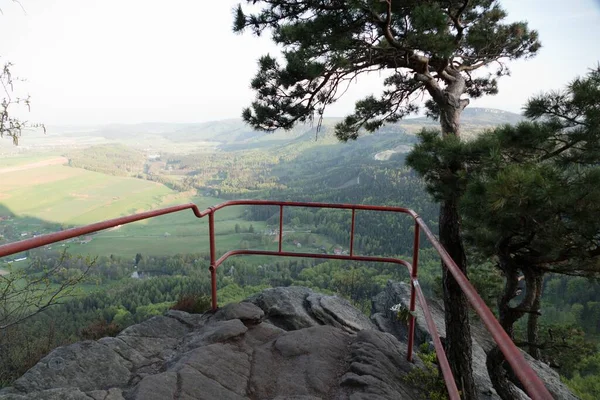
{"points": [[530, 198], [431, 48]]}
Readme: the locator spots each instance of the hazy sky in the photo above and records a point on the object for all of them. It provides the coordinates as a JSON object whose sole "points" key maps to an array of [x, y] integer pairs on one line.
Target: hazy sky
{"points": [[105, 61]]}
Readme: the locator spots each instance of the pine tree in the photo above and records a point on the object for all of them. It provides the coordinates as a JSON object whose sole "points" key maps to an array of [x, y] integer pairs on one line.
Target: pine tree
{"points": [[433, 48], [530, 198]]}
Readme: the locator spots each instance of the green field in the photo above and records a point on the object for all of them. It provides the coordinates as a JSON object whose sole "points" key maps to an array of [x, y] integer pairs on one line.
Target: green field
{"points": [[20, 160], [72, 196], [170, 234], [76, 196]]}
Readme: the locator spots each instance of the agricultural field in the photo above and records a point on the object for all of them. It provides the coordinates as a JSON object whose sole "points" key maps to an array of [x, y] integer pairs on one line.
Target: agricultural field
{"points": [[43, 196]]}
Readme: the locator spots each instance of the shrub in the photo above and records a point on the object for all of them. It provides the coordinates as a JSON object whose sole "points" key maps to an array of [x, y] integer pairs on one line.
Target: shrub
{"points": [[429, 378], [100, 329], [193, 303]]}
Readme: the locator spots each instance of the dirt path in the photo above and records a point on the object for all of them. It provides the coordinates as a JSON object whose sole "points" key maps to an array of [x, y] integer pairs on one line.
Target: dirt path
{"points": [[43, 163], [3, 272]]}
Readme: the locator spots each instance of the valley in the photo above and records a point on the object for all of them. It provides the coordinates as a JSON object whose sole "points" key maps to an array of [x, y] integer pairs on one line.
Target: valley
{"points": [[73, 177]]}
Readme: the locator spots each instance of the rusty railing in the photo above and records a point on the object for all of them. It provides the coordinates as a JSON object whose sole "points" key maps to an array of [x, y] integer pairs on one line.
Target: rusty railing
{"points": [[531, 382]]}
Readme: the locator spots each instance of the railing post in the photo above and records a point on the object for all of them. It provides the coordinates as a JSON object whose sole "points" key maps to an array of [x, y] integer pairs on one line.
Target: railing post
{"points": [[352, 232], [213, 267], [413, 278], [280, 227]]}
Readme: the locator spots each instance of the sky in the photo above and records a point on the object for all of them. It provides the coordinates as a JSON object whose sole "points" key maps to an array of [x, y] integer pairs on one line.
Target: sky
{"points": [[129, 61]]}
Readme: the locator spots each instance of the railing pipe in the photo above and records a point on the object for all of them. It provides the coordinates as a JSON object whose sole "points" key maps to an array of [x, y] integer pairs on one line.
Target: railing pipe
{"points": [[213, 256], [280, 227], [311, 255], [413, 276], [27, 244], [437, 344], [352, 232], [313, 205]]}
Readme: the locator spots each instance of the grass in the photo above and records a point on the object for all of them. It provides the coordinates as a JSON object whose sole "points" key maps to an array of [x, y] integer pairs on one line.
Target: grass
{"points": [[76, 196], [21, 160], [72, 196]]}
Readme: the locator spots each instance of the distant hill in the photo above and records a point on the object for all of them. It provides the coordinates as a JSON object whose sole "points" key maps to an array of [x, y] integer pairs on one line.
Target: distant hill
{"points": [[477, 115], [473, 120], [234, 134]]}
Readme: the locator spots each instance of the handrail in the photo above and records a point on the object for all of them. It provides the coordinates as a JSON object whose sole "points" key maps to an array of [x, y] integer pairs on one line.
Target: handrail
{"points": [[531, 382]]}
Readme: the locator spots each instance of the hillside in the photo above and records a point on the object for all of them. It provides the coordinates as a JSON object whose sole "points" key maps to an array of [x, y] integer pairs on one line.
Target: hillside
{"points": [[229, 135], [473, 120]]}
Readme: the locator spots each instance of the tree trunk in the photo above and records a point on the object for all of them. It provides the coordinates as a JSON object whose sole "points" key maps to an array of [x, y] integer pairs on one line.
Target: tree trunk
{"points": [[501, 374], [497, 369], [507, 315], [532, 320], [456, 306]]}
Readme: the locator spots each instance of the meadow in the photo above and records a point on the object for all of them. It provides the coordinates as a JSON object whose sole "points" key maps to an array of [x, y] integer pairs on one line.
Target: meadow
{"points": [[44, 196]]}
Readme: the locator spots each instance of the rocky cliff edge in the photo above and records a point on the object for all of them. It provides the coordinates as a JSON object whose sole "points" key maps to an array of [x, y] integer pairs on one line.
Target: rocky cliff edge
{"points": [[283, 343]]}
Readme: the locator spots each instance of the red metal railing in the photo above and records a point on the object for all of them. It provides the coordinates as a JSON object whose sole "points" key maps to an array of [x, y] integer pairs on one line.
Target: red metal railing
{"points": [[530, 381]]}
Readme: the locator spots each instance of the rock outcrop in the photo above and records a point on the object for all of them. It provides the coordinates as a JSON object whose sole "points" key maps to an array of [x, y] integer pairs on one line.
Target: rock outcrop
{"points": [[396, 293], [283, 343]]}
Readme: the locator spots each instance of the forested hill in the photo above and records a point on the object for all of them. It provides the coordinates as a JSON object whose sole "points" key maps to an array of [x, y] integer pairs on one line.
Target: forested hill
{"points": [[235, 133]]}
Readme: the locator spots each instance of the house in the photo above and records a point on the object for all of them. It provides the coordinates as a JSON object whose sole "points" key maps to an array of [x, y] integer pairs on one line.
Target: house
{"points": [[337, 251], [85, 240]]}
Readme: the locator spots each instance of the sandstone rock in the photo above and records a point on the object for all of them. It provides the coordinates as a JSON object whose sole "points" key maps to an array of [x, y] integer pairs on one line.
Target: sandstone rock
{"points": [[308, 362], [395, 293], [191, 320], [111, 394], [225, 364], [85, 365], [294, 307], [216, 332], [71, 393], [245, 312], [156, 337], [284, 307], [284, 343], [157, 387], [338, 312]]}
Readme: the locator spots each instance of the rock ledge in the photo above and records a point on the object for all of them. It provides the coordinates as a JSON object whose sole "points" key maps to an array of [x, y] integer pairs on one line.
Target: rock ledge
{"points": [[283, 343]]}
